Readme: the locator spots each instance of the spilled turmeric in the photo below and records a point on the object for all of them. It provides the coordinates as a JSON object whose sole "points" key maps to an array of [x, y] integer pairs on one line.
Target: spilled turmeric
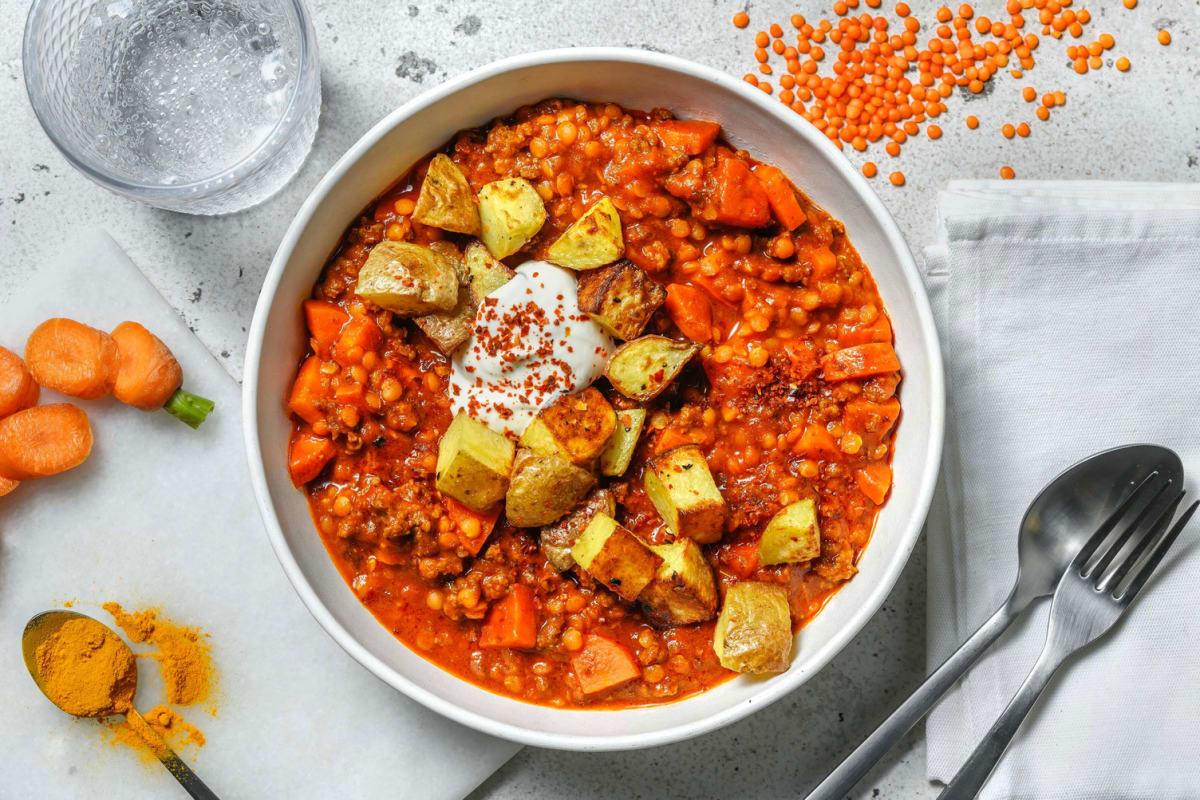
{"points": [[167, 723], [86, 670], [183, 655]]}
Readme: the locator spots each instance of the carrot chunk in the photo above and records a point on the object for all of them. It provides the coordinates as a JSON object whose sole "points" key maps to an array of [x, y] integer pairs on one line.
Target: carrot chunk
{"points": [[512, 622], [43, 440], [307, 392], [871, 421], [147, 372], [817, 442], [357, 337], [308, 455], [782, 196], [474, 527], [18, 389], [325, 321], [874, 480], [72, 358], [860, 361], [668, 439], [740, 198], [691, 136], [824, 264], [691, 311], [878, 331], [603, 664], [351, 394], [740, 558]]}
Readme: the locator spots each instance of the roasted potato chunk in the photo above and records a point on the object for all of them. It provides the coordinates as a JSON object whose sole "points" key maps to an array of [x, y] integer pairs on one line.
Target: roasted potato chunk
{"points": [[446, 200], [680, 486], [538, 438], [474, 463], [683, 590], [592, 241], [792, 535], [544, 488], [621, 297], [484, 273], [581, 424], [754, 631], [615, 557], [408, 279], [558, 539], [449, 329], [616, 455], [643, 368], [511, 212]]}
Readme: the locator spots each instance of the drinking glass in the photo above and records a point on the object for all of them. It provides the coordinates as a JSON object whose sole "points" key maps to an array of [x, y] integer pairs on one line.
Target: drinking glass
{"points": [[200, 106]]}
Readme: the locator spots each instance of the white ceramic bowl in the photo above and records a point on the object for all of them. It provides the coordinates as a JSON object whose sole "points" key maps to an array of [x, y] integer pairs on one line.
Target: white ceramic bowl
{"points": [[635, 79]]}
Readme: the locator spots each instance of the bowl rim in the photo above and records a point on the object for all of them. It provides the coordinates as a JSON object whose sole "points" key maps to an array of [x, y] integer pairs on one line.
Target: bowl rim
{"points": [[771, 691]]}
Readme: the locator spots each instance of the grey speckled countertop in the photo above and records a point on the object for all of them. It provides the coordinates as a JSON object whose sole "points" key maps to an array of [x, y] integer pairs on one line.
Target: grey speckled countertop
{"points": [[1140, 125]]}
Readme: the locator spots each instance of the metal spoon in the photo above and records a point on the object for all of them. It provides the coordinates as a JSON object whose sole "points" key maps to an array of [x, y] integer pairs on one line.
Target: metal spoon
{"points": [[46, 624], [1056, 525]]}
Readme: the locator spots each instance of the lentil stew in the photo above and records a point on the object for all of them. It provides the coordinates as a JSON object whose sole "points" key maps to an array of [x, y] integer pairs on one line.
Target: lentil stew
{"points": [[650, 532]]}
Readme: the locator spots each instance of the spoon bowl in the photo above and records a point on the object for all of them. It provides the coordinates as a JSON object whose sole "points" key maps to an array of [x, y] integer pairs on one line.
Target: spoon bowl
{"points": [[44, 625]]}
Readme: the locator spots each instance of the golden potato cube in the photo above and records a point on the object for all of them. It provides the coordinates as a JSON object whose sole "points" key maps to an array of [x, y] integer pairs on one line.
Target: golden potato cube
{"points": [[558, 539], [592, 241], [544, 488], [792, 535], [643, 368], [581, 423], [620, 297], [754, 631], [485, 274], [683, 590], [616, 455], [449, 329], [474, 463], [511, 212], [446, 200], [681, 487], [538, 438], [408, 279], [615, 557]]}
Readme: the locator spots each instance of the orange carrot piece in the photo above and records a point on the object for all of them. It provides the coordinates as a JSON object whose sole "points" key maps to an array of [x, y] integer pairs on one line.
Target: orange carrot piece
{"points": [[308, 455], [817, 442], [325, 321], [878, 331], [512, 622], [72, 358], [474, 527], [7, 486], [871, 421], [741, 558], [43, 440], [860, 361], [147, 372], [307, 392], [740, 198], [691, 311], [603, 664], [18, 389], [692, 136], [782, 196], [351, 394], [874, 480], [358, 336], [824, 264], [669, 438]]}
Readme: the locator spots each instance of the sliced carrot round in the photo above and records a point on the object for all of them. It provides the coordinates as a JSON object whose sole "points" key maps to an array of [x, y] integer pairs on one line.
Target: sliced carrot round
{"points": [[72, 358], [44, 440], [18, 389], [147, 372]]}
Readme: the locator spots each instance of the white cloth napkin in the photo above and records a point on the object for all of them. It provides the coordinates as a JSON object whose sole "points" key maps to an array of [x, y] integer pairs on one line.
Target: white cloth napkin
{"points": [[161, 515], [1070, 324]]}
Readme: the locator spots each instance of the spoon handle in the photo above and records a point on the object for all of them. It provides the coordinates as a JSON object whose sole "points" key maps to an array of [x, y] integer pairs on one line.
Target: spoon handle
{"points": [[839, 782], [189, 780]]}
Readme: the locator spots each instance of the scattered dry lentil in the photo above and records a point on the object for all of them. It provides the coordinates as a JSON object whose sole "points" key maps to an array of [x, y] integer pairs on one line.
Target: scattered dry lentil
{"points": [[869, 169], [1164, 36], [1007, 173]]}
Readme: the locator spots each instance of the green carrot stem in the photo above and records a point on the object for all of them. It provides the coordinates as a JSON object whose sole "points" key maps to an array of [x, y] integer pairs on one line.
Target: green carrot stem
{"points": [[188, 408]]}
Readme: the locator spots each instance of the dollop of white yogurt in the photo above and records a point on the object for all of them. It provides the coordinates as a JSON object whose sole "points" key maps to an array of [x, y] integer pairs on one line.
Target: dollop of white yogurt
{"points": [[530, 344]]}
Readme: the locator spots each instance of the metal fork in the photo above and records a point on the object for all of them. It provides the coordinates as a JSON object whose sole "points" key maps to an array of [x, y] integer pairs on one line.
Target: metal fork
{"points": [[1091, 596]]}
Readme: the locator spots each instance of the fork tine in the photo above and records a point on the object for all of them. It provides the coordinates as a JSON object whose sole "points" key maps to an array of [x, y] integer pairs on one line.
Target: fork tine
{"points": [[1164, 545], [1147, 539], [1111, 552], [1089, 547]]}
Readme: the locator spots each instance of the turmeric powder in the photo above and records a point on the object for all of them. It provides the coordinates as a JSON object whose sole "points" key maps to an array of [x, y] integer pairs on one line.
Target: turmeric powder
{"points": [[182, 655], [168, 724], [86, 670]]}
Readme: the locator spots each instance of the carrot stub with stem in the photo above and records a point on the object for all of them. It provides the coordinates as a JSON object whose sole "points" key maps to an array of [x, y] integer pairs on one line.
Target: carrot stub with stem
{"points": [[44, 440], [72, 358], [18, 389], [149, 376]]}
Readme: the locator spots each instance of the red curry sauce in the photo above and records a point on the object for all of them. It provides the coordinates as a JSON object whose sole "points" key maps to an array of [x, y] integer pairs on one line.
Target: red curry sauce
{"points": [[777, 416]]}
